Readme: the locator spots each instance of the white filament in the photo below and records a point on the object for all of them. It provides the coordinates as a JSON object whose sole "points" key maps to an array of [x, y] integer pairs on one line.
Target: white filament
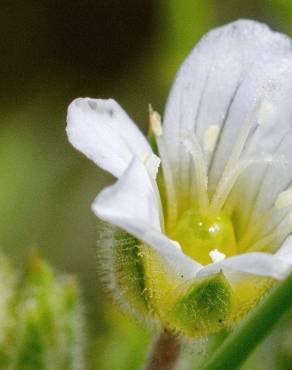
{"points": [[193, 147], [226, 183], [155, 123], [255, 228], [260, 114], [266, 241], [265, 112]]}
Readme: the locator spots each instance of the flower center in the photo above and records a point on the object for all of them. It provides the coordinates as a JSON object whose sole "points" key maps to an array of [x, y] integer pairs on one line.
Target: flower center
{"points": [[199, 236]]}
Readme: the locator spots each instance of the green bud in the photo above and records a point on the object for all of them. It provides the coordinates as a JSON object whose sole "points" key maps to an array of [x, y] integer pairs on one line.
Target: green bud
{"points": [[45, 330], [7, 288]]}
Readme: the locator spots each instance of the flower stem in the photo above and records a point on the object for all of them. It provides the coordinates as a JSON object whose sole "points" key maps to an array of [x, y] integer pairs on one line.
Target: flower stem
{"points": [[249, 333], [165, 352]]}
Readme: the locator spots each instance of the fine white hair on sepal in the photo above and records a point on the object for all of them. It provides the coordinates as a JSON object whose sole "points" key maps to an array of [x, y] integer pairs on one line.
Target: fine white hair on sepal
{"points": [[120, 270]]}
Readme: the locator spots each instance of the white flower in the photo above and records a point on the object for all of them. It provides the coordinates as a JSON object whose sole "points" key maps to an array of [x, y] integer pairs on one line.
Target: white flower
{"points": [[222, 231]]}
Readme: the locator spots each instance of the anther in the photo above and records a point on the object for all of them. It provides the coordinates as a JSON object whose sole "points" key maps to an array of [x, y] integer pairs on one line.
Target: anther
{"points": [[155, 122], [210, 138], [156, 127], [265, 112]]}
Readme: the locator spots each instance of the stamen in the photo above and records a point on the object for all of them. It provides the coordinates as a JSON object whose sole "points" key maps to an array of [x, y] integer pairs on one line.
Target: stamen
{"points": [[279, 233], [254, 229], [284, 199], [152, 163], [232, 169], [193, 147], [155, 124], [239, 145], [226, 183], [266, 110], [210, 138], [216, 256]]}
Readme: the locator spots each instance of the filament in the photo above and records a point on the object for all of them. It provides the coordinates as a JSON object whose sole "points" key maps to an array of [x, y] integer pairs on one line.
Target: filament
{"points": [[193, 147]]}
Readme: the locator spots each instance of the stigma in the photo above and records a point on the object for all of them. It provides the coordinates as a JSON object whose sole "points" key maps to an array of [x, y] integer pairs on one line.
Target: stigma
{"points": [[216, 256]]}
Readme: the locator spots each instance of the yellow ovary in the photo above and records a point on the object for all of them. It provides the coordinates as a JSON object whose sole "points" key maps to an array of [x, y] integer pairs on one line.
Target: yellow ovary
{"points": [[199, 235]]}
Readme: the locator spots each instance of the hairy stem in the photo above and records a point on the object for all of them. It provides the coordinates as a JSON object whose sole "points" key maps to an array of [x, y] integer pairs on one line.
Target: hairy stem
{"points": [[164, 353]]}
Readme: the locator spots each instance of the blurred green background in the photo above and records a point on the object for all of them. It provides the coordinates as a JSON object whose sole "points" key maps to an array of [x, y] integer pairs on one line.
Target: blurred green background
{"points": [[54, 51]]}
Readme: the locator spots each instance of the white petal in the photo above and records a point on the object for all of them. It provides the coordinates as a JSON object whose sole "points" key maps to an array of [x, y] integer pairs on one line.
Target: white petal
{"points": [[131, 204], [103, 131], [256, 263], [285, 252], [220, 82], [132, 196]]}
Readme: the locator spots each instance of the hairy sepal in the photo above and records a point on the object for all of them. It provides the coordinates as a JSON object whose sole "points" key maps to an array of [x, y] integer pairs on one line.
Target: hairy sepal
{"points": [[121, 267], [203, 306]]}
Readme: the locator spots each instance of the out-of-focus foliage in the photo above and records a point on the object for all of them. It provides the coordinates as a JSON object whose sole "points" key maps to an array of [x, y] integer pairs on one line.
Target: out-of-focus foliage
{"points": [[41, 319], [122, 346], [52, 52]]}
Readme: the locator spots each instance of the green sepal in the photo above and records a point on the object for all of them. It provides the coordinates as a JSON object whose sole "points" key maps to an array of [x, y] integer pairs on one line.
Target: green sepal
{"points": [[31, 349], [48, 329], [121, 264], [73, 325], [8, 278], [203, 308]]}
